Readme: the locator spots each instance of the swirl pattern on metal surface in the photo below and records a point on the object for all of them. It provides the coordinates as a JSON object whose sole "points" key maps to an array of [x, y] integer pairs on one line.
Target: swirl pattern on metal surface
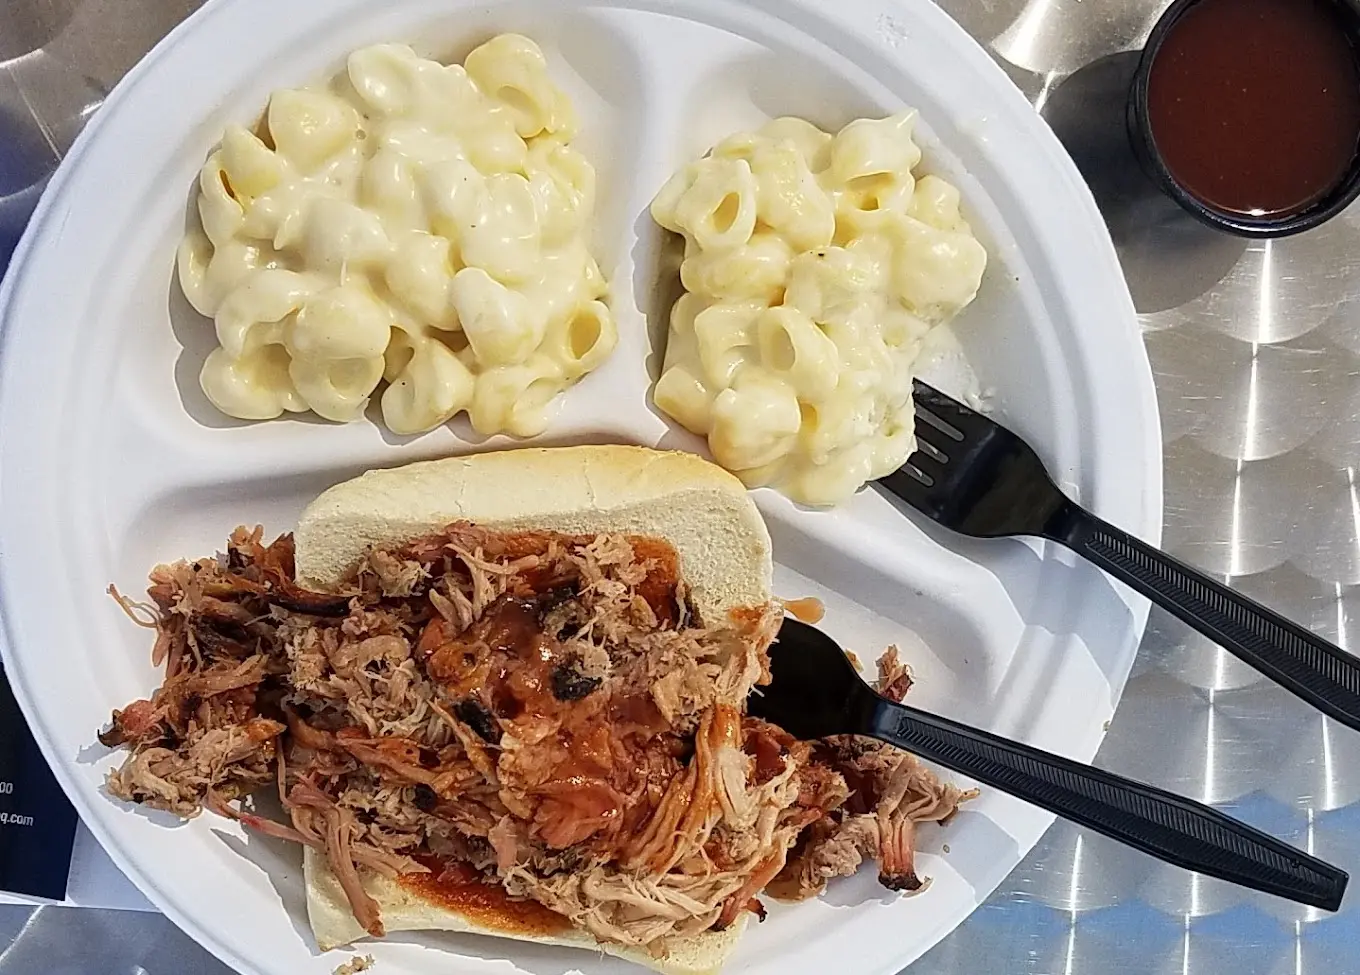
{"points": [[1256, 352]]}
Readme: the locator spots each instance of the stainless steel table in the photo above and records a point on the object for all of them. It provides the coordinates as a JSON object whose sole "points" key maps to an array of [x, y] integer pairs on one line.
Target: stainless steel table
{"points": [[1256, 348]]}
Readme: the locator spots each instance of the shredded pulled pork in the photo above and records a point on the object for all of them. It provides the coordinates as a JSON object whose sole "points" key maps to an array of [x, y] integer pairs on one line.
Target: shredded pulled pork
{"points": [[540, 709], [891, 791], [355, 965]]}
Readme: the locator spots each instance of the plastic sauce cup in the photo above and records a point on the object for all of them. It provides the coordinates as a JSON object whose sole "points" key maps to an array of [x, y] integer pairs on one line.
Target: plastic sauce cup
{"points": [[1247, 112]]}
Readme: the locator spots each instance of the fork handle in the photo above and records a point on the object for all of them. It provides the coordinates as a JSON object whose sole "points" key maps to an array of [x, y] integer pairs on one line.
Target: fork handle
{"points": [[1171, 828], [1299, 661]]}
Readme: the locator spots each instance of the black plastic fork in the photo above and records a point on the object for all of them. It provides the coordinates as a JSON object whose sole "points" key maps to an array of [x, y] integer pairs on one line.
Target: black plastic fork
{"points": [[974, 476]]}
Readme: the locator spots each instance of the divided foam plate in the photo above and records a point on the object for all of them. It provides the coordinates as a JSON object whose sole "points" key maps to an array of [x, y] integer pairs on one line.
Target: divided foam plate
{"points": [[111, 459]]}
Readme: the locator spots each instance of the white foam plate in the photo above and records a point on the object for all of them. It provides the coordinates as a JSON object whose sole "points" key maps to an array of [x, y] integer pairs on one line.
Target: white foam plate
{"points": [[111, 459]]}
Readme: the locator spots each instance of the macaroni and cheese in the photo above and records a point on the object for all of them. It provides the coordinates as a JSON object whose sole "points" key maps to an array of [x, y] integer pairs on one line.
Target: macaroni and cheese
{"points": [[814, 265], [413, 222]]}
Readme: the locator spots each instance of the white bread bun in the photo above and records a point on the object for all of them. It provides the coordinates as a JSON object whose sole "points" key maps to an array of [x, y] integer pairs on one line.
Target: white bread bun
{"points": [[698, 507], [702, 510], [333, 924]]}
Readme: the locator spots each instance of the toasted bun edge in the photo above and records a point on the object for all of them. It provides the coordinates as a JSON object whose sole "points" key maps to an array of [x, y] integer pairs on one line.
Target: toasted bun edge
{"points": [[705, 512]]}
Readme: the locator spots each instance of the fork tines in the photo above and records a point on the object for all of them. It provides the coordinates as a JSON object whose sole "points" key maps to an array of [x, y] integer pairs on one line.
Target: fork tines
{"points": [[930, 403]]}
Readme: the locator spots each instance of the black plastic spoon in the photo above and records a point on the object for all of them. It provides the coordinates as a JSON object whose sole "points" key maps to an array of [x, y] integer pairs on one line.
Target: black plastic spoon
{"points": [[817, 692]]}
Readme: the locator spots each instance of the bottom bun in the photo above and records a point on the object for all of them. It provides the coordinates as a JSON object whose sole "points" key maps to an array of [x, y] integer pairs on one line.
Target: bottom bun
{"points": [[405, 909]]}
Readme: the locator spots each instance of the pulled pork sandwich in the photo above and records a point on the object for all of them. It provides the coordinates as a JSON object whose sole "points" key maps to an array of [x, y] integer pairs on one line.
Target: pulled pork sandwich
{"points": [[505, 694]]}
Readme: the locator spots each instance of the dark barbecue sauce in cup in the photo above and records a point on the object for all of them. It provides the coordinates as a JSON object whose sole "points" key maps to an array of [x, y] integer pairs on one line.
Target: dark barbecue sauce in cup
{"points": [[1254, 105]]}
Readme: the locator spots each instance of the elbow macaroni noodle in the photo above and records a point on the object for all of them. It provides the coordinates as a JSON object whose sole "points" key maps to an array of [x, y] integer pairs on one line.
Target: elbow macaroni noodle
{"points": [[814, 266], [414, 222]]}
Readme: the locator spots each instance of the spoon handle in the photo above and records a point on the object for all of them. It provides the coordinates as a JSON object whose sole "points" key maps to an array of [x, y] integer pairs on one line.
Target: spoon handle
{"points": [[1169, 827]]}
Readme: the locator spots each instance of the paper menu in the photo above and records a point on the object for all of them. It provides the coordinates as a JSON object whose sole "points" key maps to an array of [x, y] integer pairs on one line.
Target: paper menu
{"points": [[37, 823]]}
